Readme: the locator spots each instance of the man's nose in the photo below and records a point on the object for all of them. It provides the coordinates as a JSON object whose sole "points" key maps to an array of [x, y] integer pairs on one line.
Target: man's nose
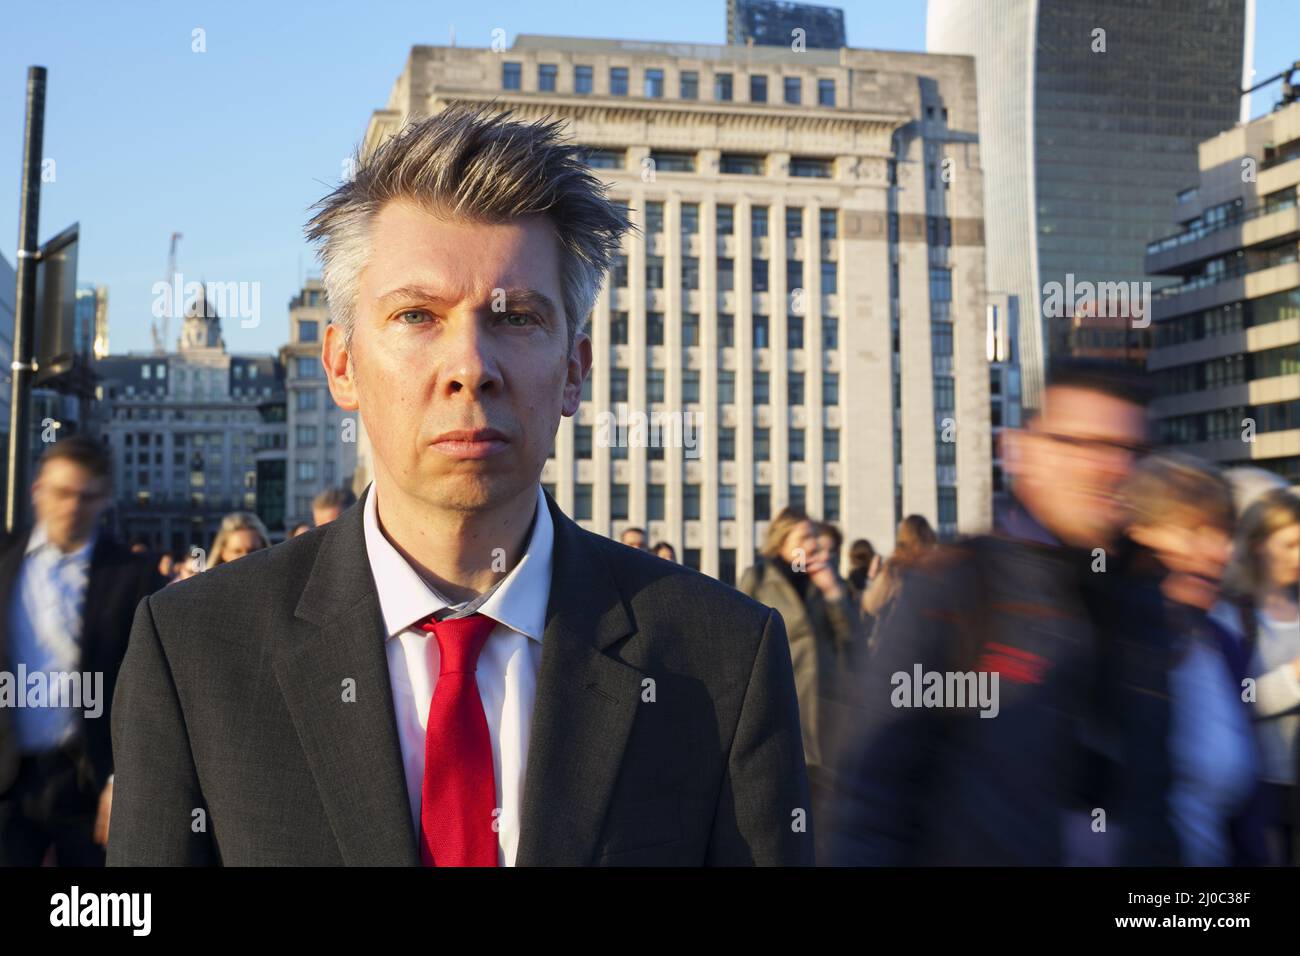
{"points": [[466, 360]]}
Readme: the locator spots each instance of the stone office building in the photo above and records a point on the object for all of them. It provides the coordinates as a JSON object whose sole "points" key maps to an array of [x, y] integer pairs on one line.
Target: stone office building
{"points": [[807, 282]]}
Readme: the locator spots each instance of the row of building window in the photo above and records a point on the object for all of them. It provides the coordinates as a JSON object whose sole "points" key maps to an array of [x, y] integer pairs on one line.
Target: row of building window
{"points": [[1226, 424], [731, 164], [1234, 317], [726, 274], [726, 390], [1235, 369], [653, 83], [691, 496], [583, 444], [725, 220], [726, 330]]}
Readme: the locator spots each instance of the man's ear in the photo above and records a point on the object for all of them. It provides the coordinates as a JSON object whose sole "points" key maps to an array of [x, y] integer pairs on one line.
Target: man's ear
{"points": [[338, 369], [578, 369]]}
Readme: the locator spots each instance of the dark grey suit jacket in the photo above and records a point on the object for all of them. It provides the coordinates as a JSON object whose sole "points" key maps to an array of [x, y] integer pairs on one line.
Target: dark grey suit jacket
{"points": [[233, 742]]}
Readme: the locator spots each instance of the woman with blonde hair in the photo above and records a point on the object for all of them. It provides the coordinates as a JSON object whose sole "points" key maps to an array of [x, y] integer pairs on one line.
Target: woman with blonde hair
{"points": [[795, 577], [240, 533], [1263, 612]]}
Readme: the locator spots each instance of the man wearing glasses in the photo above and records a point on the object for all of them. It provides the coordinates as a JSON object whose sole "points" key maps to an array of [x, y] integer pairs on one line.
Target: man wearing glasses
{"points": [[70, 592], [1072, 769]]}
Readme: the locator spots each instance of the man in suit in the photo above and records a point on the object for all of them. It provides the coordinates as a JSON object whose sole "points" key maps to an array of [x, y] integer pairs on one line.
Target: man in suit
{"points": [[70, 592], [1072, 766], [453, 672]]}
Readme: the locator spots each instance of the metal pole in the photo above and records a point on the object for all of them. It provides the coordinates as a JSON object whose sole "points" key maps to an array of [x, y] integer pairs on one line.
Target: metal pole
{"points": [[29, 214]]}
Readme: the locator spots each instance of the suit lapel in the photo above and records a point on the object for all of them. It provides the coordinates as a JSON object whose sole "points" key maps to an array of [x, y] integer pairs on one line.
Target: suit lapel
{"points": [[97, 587], [586, 703], [351, 746]]}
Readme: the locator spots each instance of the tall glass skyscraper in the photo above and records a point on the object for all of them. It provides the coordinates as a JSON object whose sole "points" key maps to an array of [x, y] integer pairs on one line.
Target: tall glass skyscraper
{"points": [[1089, 116]]}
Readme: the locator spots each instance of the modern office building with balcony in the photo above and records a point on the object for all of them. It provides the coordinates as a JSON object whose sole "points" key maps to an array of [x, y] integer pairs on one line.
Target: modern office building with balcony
{"points": [[1227, 337], [807, 282]]}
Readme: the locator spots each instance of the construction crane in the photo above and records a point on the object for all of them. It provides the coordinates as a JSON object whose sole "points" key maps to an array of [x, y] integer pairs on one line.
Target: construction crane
{"points": [[160, 337], [1289, 91]]}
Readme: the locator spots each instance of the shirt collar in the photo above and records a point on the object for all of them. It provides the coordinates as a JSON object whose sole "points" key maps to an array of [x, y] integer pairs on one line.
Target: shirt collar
{"points": [[39, 538], [519, 600]]}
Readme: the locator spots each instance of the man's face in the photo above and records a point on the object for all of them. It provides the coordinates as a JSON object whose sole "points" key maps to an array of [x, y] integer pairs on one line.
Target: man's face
{"points": [[634, 539], [1069, 462], [68, 500], [459, 361]]}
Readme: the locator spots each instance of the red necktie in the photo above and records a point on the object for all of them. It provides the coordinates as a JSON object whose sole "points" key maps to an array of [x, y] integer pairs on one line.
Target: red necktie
{"points": [[458, 794]]}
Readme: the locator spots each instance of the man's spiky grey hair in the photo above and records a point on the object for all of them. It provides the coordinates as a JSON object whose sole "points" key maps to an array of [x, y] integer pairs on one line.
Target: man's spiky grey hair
{"points": [[477, 164]]}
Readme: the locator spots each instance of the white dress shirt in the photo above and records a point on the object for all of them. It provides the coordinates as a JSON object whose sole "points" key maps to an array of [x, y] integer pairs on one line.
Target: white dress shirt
{"points": [[45, 631], [507, 666]]}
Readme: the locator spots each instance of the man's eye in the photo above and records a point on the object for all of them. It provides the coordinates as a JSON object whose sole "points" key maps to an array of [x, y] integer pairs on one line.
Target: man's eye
{"points": [[520, 319], [412, 316]]}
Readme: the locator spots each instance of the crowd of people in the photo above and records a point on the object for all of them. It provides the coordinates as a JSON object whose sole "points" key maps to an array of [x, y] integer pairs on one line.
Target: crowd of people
{"points": [[1134, 612], [240, 533], [1137, 607]]}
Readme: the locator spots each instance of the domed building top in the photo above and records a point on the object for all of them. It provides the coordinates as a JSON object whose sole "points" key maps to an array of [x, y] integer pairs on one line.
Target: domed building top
{"points": [[202, 326]]}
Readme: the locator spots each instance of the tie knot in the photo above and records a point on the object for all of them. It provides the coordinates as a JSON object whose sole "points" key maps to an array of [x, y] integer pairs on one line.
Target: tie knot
{"points": [[460, 639]]}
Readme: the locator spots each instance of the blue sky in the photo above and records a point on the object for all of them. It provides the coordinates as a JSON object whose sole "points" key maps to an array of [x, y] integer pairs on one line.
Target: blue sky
{"points": [[230, 147]]}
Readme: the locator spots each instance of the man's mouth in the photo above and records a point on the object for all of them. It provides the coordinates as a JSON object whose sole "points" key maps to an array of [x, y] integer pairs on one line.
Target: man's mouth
{"points": [[471, 443]]}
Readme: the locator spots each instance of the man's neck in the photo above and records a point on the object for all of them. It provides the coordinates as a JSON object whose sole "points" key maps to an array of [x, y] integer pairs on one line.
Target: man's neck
{"points": [[460, 553], [68, 547]]}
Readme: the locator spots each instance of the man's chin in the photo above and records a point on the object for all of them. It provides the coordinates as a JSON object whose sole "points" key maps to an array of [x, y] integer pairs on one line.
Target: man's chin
{"points": [[479, 491]]}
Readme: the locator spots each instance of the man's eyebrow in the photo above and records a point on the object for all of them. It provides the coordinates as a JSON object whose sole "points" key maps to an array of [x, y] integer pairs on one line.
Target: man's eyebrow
{"points": [[424, 292], [529, 298], [513, 298]]}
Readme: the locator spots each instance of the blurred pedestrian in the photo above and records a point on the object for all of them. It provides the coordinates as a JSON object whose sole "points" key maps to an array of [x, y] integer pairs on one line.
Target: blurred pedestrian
{"points": [[1022, 626], [71, 594], [1250, 483], [915, 540], [864, 565], [795, 577], [1263, 614], [166, 566], [633, 538], [831, 543], [666, 551], [188, 564], [241, 533], [331, 503], [300, 528], [1181, 512]]}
